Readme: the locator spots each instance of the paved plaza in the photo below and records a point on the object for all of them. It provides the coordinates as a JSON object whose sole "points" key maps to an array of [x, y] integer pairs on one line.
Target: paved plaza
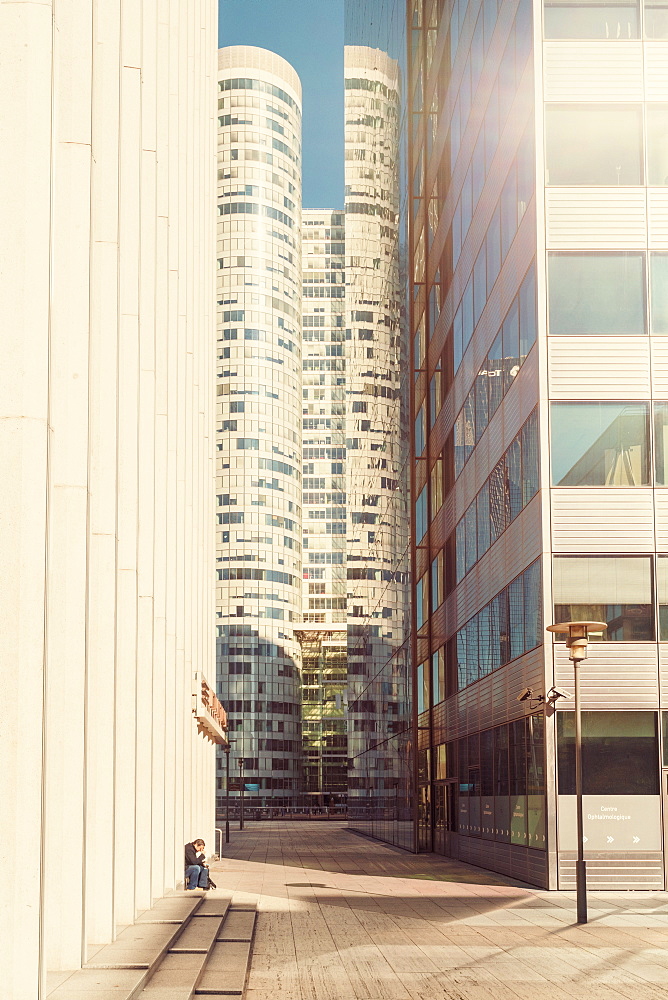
{"points": [[342, 917]]}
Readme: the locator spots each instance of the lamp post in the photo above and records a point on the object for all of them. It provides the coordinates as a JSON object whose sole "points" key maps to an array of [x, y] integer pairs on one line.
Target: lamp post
{"points": [[241, 792], [577, 642], [227, 749]]}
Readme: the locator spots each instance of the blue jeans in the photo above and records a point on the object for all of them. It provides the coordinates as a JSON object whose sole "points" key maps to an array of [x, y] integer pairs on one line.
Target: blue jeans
{"points": [[196, 876]]}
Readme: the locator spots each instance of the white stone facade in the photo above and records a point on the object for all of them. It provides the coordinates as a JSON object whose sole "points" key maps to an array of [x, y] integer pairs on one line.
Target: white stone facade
{"points": [[107, 291]]}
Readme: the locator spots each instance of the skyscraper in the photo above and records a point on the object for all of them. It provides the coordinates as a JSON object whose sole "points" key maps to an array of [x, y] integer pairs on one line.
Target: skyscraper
{"points": [[258, 473], [376, 437], [323, 634], [107, 286], [539, 166]]}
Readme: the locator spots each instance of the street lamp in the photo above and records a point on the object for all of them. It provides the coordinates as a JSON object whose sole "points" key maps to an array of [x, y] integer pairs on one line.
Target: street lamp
{"points": [[577, 642], [227, 749], [241, 792]]}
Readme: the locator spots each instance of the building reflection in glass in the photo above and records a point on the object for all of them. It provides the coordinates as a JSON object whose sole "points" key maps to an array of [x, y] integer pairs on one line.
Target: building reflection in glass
{"points": [[379, 743]]}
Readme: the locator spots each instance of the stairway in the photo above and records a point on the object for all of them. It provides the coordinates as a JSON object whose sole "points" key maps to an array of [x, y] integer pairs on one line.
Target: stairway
{"points": [[186, 946]]}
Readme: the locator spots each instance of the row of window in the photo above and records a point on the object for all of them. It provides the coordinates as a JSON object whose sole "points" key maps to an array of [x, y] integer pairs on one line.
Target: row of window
{"points": [[511, 485], [249, 208], [613, 20], [244, 118], [504, 360], [243, 83], [608, 444], [513, 61], [509, 626], [495, 783]]}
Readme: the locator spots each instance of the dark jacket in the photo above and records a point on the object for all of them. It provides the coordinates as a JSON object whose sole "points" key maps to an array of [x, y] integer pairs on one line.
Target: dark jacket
{"points": [[193, 856]]}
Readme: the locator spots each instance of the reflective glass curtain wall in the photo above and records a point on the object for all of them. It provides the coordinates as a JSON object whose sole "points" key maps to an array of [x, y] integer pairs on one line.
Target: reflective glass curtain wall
{"points": [[380, 748], [324, 509], [258, 424], [477, 571]]}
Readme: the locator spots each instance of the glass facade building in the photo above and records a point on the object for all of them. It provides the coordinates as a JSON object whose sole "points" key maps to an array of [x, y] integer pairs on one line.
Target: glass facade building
{"points": [[258, 472], [379, 740], [538, 245], [324, 503]]}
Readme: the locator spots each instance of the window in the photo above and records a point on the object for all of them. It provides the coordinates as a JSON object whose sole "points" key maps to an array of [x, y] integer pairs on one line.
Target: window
{"points": [[493, 249], [620, 753], [662, 600], [436, 487], [612, 589], [437, 581], [527, 313], [421, 515], [422, 600], [573, 19], [594, 144], [658, 284], [485, 642], [420, 439], [599, 444], [596, 293], [422, 689], [434, 397], [657, 143], [656, 18], [438, 677], [661, 444], [501, 782]]}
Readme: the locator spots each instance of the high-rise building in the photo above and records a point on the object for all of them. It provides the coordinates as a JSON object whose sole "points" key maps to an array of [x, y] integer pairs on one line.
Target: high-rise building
{"points": [[377, 384], [324, 416], [259, 418], [324, 502], [107, 288], [539, 255]]}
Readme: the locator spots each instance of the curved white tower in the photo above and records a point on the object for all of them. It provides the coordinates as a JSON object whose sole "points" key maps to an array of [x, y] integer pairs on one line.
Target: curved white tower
{"points": [[258, 482]]}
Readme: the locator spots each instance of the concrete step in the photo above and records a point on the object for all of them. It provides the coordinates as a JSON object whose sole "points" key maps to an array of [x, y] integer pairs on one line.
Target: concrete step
{"points": [[210, 958], [226, 969], [198, 935], [239, 926], [184, 947]]}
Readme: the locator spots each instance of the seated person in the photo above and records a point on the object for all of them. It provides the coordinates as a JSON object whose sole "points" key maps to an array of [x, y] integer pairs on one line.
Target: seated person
{"points": [[197, 870]]}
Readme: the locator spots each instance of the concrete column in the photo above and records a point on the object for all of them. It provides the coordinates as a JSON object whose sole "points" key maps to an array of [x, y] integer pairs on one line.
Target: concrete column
{"points": [[25, 169], [108, 128], [103, 387]]}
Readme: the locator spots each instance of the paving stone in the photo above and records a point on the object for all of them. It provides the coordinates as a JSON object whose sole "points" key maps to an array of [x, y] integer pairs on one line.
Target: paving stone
{"points": [[238, 926], [383, 918]]}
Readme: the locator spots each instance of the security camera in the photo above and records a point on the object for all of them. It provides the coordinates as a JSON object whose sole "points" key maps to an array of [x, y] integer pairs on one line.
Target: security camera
{"points": [[555, 693], [525, 695]]}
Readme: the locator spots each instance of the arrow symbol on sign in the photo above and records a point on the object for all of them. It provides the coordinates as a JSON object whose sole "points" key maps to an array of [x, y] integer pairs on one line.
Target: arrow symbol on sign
{"points": [[636, 840], [610, 840], [585, 839]]}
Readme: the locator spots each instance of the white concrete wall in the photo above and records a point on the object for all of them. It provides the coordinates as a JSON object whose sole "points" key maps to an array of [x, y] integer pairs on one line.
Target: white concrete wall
{"points": [[107, 125]]}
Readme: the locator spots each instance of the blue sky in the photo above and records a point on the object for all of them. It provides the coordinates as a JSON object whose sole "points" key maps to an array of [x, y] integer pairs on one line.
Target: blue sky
{"points": [[309, 34]]}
